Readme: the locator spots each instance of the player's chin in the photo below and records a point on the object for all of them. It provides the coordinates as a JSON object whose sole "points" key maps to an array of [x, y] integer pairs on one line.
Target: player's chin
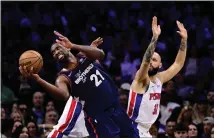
{"points": [[150, 69]]}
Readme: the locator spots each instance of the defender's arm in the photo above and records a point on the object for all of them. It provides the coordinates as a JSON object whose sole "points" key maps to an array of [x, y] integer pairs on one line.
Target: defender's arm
{"points": [[180, 58]]}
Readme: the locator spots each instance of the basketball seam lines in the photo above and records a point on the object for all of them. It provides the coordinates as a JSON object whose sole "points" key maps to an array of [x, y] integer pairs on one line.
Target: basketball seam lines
{"points": [[28, 58], [35, 62], [34, 53], [40, 63]]}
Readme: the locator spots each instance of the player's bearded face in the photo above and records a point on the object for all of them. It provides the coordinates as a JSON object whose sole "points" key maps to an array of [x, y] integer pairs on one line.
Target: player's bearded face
{"points": [[61, 54], [153, 70]]}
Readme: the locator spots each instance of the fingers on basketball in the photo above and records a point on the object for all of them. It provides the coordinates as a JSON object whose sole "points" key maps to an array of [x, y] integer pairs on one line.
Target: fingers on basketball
{"points": [[30, 62]]}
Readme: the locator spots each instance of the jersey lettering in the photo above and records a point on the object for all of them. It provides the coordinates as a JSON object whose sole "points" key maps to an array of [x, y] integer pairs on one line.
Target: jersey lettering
{"points": [[154, 96], [81, 77]]}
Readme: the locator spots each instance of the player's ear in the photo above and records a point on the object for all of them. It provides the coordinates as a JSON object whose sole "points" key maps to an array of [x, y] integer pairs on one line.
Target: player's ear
{"points": [[160, 66]]}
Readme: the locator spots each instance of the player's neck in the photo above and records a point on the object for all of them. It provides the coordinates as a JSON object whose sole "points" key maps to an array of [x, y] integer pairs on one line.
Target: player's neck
{"points": [[72, 63], [152, 78]]}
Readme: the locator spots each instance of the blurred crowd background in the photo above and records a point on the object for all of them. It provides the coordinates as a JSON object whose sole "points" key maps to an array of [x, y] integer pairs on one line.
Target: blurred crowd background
{"points": [[188, 99]]}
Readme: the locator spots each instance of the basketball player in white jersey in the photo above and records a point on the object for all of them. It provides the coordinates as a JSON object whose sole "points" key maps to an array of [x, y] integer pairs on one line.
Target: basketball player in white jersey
{"points": [[145, 91]]}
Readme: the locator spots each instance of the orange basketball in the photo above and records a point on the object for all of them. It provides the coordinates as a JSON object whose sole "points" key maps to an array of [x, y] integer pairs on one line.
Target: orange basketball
{"points": [[30, 59]]}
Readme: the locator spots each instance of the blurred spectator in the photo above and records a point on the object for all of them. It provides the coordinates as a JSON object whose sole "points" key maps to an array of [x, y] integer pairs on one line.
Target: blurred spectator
{"points": [[17, 131], [124, 99], [24, 133], [153, 131], [51, 118], [170, 129], [200, 110], [208, 123], [17, 116], [38, 109], [210, 97], [32, 129], [15, 125], [193, 131], [181, 131], [50, 106], [14, 107], [171, 92], [185, 116], [25, 113]]}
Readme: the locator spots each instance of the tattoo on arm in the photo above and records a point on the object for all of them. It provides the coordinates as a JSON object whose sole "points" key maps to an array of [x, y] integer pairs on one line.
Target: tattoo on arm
{"points": [[150, 50], [183, 45]]}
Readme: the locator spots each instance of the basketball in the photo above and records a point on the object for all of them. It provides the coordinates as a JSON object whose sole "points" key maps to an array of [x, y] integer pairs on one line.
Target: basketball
{"points": [[30, 59]]}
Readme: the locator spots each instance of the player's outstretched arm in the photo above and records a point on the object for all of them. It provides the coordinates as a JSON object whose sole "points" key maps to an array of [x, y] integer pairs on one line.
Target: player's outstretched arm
{"points": [[142, 73], [93, 53], [95, 43], [180, 58], [58, 93]]}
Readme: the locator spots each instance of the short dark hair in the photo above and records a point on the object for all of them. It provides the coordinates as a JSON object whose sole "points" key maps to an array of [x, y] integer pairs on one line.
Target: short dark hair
{"points": [[170, 120], [180, 127]]}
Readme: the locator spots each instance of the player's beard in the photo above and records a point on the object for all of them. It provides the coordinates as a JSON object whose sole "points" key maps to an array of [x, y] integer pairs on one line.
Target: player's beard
{"points": [[153, 72]]}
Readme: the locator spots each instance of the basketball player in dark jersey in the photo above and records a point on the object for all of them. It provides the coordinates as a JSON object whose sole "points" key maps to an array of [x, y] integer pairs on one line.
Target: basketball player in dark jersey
{"points": [[87, 80]]}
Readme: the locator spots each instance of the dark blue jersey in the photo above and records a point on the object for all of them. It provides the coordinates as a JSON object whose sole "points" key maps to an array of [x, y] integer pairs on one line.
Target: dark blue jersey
{"points": [[93, 85]]}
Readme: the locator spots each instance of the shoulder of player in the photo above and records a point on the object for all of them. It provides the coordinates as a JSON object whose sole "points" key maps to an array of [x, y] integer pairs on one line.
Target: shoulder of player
{"points": [[160, 77], [139, 86], [62, 78]]}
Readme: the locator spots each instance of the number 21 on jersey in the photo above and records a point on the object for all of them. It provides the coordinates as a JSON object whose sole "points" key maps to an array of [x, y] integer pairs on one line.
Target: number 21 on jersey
{"points": [[97, 77]]}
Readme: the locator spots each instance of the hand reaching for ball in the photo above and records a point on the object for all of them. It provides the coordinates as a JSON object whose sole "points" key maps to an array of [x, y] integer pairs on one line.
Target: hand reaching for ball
{"points": [[28, 73]]}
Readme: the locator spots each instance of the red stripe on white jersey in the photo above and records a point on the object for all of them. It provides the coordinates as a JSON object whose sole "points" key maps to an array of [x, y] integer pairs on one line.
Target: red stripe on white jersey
{"points": [[132, 104], [54, 134], [69, 116]]}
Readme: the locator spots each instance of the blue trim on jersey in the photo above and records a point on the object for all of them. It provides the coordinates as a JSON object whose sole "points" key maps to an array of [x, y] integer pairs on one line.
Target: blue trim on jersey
{"points": [[60, 135], [74, 119], [138, 101]]}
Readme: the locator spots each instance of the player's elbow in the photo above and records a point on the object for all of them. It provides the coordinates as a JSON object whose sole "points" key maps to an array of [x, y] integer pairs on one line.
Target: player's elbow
{"points": [[101, 54], [65, 96]]}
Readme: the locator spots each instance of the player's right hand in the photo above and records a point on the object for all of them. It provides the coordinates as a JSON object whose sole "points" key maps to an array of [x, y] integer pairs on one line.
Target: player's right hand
{"points": [[28, 73], [155, 27], [97, 42], [64, 41]]}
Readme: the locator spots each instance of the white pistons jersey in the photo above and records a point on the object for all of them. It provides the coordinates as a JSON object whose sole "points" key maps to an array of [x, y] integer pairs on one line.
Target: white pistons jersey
{"points": [[143, 109]]}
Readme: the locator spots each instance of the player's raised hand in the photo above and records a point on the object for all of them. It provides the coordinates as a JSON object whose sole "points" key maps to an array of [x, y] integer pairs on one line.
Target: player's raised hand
{"points": [[63, 40], [182, 31], [97, 42], [28, 73], [155, 27]]}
